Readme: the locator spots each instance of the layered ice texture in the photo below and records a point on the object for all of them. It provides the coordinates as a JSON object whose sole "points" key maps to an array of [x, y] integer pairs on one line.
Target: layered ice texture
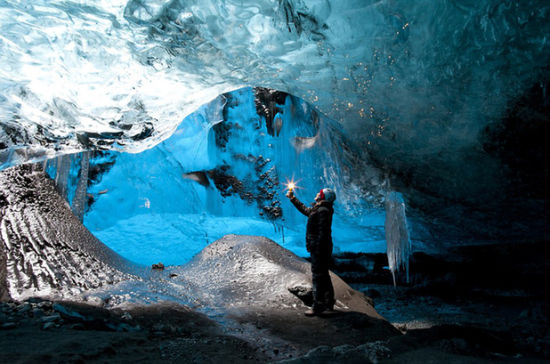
{"points": [[447, 99]]}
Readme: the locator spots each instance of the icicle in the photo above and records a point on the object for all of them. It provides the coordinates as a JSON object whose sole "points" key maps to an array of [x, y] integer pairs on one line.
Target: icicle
{"points": [[397, 235], [62, 174], [79, 200]]}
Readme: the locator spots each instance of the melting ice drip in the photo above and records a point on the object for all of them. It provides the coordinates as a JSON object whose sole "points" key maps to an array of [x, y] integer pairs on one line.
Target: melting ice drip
{"points": [[397, 235]]}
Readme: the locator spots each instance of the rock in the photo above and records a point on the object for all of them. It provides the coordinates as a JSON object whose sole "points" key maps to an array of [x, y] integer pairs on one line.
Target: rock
{"points": [[8, 326], [158, 266], [44, 305], [34, 301], [375, 351], [48, 325], [69, 312], [25, 307], [37, 313], [51, 318], [304, 293]]}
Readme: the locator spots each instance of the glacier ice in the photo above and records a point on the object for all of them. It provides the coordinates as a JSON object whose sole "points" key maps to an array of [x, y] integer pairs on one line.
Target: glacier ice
{"points": [[397, 235], [80, 195], [63, 166]]}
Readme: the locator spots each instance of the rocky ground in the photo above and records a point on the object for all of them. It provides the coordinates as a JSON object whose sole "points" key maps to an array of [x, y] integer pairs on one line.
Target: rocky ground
{"points": [[54, 332], [432, 330], [484, 327], [484, 301]]}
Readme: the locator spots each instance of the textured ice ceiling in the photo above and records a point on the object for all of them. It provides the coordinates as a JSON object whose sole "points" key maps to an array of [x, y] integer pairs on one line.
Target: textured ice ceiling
{"points": [[134, 69], [422, 87]]}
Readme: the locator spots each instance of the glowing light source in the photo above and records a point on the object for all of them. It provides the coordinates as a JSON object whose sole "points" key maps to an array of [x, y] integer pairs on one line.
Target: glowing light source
{"points": [[291, 184]]}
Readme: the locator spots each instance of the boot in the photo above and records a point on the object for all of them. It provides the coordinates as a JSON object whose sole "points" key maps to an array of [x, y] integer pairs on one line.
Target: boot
{"points": [[310, 313]]}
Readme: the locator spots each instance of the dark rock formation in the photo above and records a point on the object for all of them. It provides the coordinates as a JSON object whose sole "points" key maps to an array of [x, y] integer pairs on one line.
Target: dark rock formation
{"points": [[266, 101]]}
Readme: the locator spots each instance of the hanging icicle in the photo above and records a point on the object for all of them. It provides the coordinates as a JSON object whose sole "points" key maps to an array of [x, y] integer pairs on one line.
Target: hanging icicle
{"points": [[79, 199], [62, 174], [397, 235]]}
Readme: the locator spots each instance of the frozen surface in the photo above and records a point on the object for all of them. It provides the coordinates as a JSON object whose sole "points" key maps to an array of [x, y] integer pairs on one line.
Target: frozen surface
{"points": [[175, 238], [46, 249], [240, 271]]}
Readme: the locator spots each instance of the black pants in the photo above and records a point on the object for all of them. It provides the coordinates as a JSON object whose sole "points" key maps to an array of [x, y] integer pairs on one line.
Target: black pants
{"points": [[323, 292]]}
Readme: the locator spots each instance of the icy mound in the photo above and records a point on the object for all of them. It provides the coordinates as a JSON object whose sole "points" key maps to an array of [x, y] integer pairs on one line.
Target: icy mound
{"points": [[252, 271]]}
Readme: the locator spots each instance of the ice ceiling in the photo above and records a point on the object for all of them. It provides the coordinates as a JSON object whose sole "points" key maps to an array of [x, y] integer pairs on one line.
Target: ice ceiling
{"points": [[431, 92]]}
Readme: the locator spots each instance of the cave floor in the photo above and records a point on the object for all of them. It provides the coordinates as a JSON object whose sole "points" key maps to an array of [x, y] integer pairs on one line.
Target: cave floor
{"points": [[475, 330], [486, 325]]}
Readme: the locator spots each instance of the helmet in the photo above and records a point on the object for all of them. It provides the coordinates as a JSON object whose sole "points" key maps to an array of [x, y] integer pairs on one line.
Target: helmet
{"points": [[327, 194]]}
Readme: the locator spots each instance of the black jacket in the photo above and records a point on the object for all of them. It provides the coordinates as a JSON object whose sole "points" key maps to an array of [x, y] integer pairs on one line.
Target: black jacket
{"points": [[319, 225]]}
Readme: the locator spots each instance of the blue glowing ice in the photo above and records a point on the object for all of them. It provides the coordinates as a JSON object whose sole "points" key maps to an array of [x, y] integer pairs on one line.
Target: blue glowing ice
{"points": [[150, 206]]}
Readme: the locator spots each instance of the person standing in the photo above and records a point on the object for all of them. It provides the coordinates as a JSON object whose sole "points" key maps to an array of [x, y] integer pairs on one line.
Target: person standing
{"points": [[319, 245]]}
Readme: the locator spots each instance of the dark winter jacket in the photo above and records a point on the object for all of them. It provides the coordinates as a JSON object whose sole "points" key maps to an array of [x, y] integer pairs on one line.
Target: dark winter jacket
{"points": [[319, 224]]}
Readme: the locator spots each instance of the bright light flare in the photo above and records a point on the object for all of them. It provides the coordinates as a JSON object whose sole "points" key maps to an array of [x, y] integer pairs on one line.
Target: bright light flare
{"points": [[291, 185]]}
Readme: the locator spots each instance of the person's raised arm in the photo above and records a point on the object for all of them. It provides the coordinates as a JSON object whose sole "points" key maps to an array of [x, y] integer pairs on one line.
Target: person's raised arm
{"points": [[298, 204]]}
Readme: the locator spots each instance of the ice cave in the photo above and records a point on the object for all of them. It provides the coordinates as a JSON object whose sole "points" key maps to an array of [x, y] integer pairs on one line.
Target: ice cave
{"points": [[146, 153]]}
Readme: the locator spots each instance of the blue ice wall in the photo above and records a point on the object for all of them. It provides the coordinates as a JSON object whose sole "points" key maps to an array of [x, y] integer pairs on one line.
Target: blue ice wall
{"points": [[150, 207]]}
